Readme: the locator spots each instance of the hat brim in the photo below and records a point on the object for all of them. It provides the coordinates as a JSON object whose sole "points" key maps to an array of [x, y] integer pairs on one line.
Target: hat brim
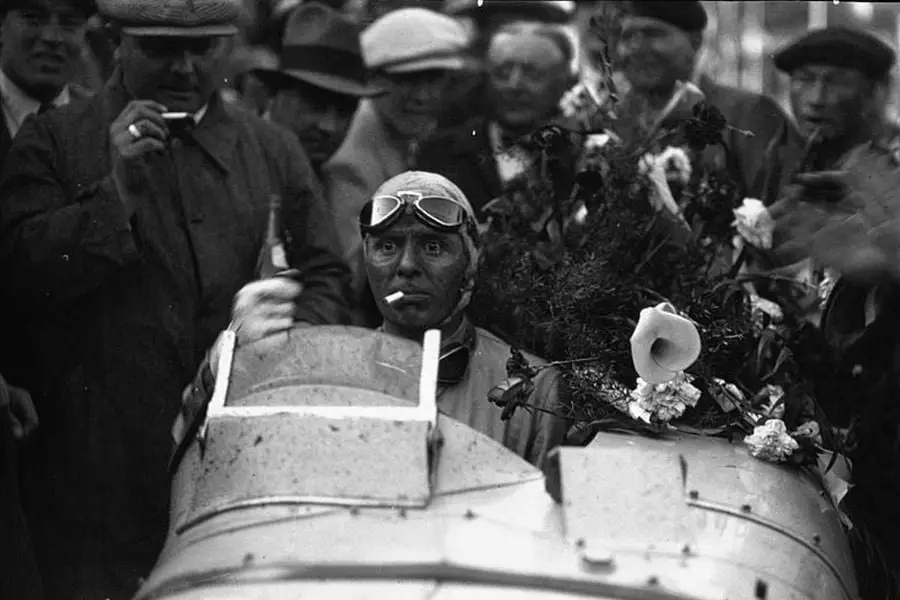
{"points": [[546, 13], [332, 83], [173, 31], [444, 63]]}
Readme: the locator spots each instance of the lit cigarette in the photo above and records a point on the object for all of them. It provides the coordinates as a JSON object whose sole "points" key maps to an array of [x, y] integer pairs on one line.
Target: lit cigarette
{"points": [[175, 115], [391, 298]]}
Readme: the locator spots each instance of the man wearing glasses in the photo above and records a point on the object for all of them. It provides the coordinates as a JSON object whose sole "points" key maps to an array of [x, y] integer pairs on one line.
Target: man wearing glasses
{"points": [[421, 247], [127, 224]]}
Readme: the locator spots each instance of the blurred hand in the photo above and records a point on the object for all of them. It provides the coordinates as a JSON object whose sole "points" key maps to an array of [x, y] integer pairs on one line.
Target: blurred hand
{"points": [[261, 309], [21, 408], [265, 307]]}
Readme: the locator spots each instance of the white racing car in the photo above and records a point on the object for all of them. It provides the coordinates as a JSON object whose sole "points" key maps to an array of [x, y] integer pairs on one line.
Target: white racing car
{"points": [[323, 469]]}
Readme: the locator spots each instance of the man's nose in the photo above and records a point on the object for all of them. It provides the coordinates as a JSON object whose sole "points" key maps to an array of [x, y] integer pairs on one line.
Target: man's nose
{"points": [[183, 63], [408, 266], [329, 121], [818, 93], [52, 33]]}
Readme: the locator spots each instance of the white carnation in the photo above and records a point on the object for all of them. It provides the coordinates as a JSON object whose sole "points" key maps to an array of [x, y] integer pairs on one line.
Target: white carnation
{"points": [[771, 441], [665, 401], [754, 223]]}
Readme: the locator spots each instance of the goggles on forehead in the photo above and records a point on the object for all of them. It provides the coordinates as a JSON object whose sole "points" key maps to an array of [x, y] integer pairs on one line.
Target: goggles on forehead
{"points": [[438, 212]]}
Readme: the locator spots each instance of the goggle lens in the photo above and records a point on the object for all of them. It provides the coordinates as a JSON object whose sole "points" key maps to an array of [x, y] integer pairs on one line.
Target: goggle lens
{"points": [[436, 211]]}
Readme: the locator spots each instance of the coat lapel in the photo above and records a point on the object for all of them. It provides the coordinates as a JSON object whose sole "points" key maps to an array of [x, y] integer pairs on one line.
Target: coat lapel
{"points": [[483, 152], [5, 139], [216, 134]]}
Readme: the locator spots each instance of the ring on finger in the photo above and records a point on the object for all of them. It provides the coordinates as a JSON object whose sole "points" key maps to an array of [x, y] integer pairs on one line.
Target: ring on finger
{"points": [[134, 131]]}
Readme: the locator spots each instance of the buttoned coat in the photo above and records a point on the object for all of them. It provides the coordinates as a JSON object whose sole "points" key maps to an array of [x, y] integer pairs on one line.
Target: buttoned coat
{"points": [[117, 313]]}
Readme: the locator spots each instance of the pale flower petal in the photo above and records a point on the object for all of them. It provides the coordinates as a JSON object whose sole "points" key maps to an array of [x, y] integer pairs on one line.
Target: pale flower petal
{"points": [[771, 441], [754, 223], [665, 401]]}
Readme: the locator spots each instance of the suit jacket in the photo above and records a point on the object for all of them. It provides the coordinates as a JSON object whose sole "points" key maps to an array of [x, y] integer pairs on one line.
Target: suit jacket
{"points": [[120, 311], [464, 155], [76, 92], [762, 117]]}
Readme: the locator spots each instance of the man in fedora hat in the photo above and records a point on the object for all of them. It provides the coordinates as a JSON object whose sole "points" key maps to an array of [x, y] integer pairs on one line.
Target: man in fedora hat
{"points": [[126, 229], [319, 81]]}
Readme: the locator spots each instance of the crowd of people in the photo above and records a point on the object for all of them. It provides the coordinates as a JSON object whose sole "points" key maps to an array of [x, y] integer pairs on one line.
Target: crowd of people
{"points": [[141, 142]]}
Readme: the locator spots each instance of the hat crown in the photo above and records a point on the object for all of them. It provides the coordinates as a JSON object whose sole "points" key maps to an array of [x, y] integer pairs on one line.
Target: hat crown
{"points": [[154, 15], [409, 33], [318, 25]]}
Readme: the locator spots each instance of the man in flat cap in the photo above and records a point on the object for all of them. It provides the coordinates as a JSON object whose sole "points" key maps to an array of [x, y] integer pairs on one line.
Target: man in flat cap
{"points": [[658, 47], [319, 81], [840, 79], [410, 53], [125, 231]]}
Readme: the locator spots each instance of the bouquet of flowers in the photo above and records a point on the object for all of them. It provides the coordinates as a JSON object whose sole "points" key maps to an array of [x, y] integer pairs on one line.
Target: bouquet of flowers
{"points": [[573, 255]]}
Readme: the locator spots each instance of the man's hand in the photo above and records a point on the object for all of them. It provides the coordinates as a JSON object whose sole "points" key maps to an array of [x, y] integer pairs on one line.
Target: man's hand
{"points": [[21, 408], [264, 308], [261, 309], [137, 131]]}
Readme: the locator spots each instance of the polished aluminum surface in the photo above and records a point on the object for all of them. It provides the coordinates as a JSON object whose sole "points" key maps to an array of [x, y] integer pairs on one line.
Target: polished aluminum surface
{"points": [[632, 524]]}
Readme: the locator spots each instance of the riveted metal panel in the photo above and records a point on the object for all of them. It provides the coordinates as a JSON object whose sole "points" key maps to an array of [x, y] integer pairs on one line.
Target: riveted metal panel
{"points": [[312, 459], [336, 356]]}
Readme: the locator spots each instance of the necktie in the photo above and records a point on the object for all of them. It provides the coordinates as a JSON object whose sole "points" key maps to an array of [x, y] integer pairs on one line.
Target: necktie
{"points": [[45, 107]]}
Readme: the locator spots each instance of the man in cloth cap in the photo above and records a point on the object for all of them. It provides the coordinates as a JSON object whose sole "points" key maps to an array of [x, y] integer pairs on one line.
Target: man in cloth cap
{"points": [[435, 267], [840, 81], [839, 213], [659, 46], [410, 53], [125, 231], [319, 81]]}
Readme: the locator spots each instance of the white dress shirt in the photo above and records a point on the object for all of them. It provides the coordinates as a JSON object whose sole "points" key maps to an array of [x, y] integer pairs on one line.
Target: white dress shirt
{"points": [[17, 105]]}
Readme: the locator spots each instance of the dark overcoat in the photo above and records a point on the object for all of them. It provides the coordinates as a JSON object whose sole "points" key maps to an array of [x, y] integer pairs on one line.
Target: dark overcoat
{"points": [[115, 313]]}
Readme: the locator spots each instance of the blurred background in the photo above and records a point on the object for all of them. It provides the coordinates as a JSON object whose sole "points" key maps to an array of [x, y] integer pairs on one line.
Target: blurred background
{"points": [[741, 36]]}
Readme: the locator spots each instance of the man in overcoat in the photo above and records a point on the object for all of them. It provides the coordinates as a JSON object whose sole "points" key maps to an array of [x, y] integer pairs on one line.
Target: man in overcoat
{"points": [[42, 41], [125, 232]]}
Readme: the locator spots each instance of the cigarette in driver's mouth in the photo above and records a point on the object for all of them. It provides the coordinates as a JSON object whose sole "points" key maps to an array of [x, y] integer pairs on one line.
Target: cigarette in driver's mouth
{"points": [[391, 298]]}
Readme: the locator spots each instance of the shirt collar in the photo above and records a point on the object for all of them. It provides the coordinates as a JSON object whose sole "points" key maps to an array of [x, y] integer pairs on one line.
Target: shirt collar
{"points": [[18, 105], [198, 116]]}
